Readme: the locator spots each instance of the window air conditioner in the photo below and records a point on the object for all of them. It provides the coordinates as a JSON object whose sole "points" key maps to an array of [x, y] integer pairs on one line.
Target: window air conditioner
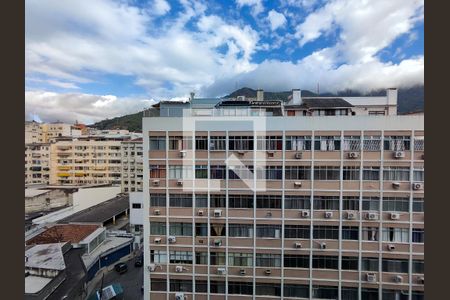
{"points": [[417, 186], [372, 216], [298, 155], [391, 247], [269, 214], [240, 152], [297, 184], [323, 245], [396, 185], [200, 212], [151, 267], [157, 240], [180, 182], [351, 215], [242, 271], [221, 271], [178, 269], [182, 153], [268, 272], [328, 215], [157, 212], [395, 216], [172, 239], [217, 243], [305, 213], [398, 278], [353, 155], [155, 182], [371, 277], [217, 213], [180, 296], [421, 280], [399, 154], [297, 245], [270, 153]]}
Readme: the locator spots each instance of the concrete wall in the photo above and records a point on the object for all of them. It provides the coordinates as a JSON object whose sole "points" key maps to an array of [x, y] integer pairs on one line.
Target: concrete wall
{"points": [[136, 214], [47, 201]]}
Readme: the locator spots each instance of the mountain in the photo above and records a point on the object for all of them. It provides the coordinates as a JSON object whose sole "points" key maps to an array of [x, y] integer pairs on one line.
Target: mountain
{"points": [[409, 100]]}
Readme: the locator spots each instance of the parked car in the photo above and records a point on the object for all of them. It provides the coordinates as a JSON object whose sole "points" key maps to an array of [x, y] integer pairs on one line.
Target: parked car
{"points": [[139, 261], [121, 268]]}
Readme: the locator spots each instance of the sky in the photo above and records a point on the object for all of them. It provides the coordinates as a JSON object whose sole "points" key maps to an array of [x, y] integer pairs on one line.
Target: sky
{"points": [[90, 60]]}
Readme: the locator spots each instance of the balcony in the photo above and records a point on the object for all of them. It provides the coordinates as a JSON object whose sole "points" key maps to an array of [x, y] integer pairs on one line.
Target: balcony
{"points": [[63, 174], [64, 168]]}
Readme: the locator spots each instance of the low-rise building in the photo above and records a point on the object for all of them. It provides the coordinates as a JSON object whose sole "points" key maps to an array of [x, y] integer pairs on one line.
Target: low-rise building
{"points": [[136, 212], [38, 200]]}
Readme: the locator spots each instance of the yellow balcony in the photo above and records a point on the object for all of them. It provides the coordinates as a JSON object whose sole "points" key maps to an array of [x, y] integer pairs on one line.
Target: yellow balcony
{"points": [[63, 174], [64, 168], [79, 174]]}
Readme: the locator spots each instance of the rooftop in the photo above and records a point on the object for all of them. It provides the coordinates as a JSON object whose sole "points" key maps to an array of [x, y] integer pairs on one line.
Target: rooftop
{"points": [[33, 284], [73, 233], [32, 192], [45, 256], [109, 244]]}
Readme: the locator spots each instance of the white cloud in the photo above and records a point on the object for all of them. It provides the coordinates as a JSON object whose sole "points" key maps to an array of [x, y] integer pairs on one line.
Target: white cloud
{"points": [[256, 5], [276, 19], [86, 108], [160, 7]]}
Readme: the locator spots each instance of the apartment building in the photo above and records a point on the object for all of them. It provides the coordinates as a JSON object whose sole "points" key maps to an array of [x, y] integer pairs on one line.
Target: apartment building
{"points": [[37, 163], [33, 132], [311, 199], [51, 131], [132, 168], [87, 160]]}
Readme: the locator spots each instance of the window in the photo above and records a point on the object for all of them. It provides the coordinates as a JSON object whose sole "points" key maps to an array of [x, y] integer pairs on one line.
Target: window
{"points": [[396, 173], [419, 174], [240, 143], [180, 172], [201, 229], [371, 173], [180, 229], [419, 143], [158, 256], [398, 235], [157, 171], [296, 261], [350, 233], [217, 258], [180, 200], [395, 265], [397, 143], [201, 286], [269, 172], [201, 200], [372, 143], [268, 231], [240, 259], [268, 289], [157, 200], [201, 258], [217, 172], [326, 202], [218, 229], [325, 292], [417, 295], [298, 143], [240, 230], [325, 262], [371, 203], [268, 201], [268, 260], [201, 143], [217, 143], [240, 201], [240, 288], [326, 173], [326, 232], [369, 264], [157, 228], [297, 173], [349, 263], [296, 290], [180, 257], [350, 203], [217, 200], [158, 284], [418, 235], [370, 233], [349, 293], [201, 171], [327, 143], [395, 204], [178, 285], [297, 202], [418, 205], [157, 143], [217, 287], [269, 143], [240, 172], [395, 295], [369, 294], [418, 267], [296, 231], [350, 173], [136, 205], [352, 143]]}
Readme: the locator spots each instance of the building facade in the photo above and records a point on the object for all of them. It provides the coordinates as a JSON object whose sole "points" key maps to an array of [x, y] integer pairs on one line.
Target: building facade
{"points": [[132, 168], [248, 201], [37, 163], [33, 132]]}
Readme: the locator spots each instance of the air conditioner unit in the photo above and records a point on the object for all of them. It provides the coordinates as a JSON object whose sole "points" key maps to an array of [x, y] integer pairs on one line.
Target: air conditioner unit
{"points": [[157, 212], [297, 184], [151, 267], [182, 153], [395, 216], [417, 186], [305, 213], [200, 213], [200, 241], [269, 214], [157, 240], [217, 243], [423, 156], [180, 296], [221, 271], [396, 185], [240, 152], [399, 154], [371, 277], [242, 271], [172, 239], [180, 182], [217, 213], [372, 216], [298, 155], [351, 215], [353, 155], [391, 247], [178, 269], [421, 280], [270, 153], [398, 278], [155, 182], [297, 245], [323, 245], [268, 272], [328, 215]]}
